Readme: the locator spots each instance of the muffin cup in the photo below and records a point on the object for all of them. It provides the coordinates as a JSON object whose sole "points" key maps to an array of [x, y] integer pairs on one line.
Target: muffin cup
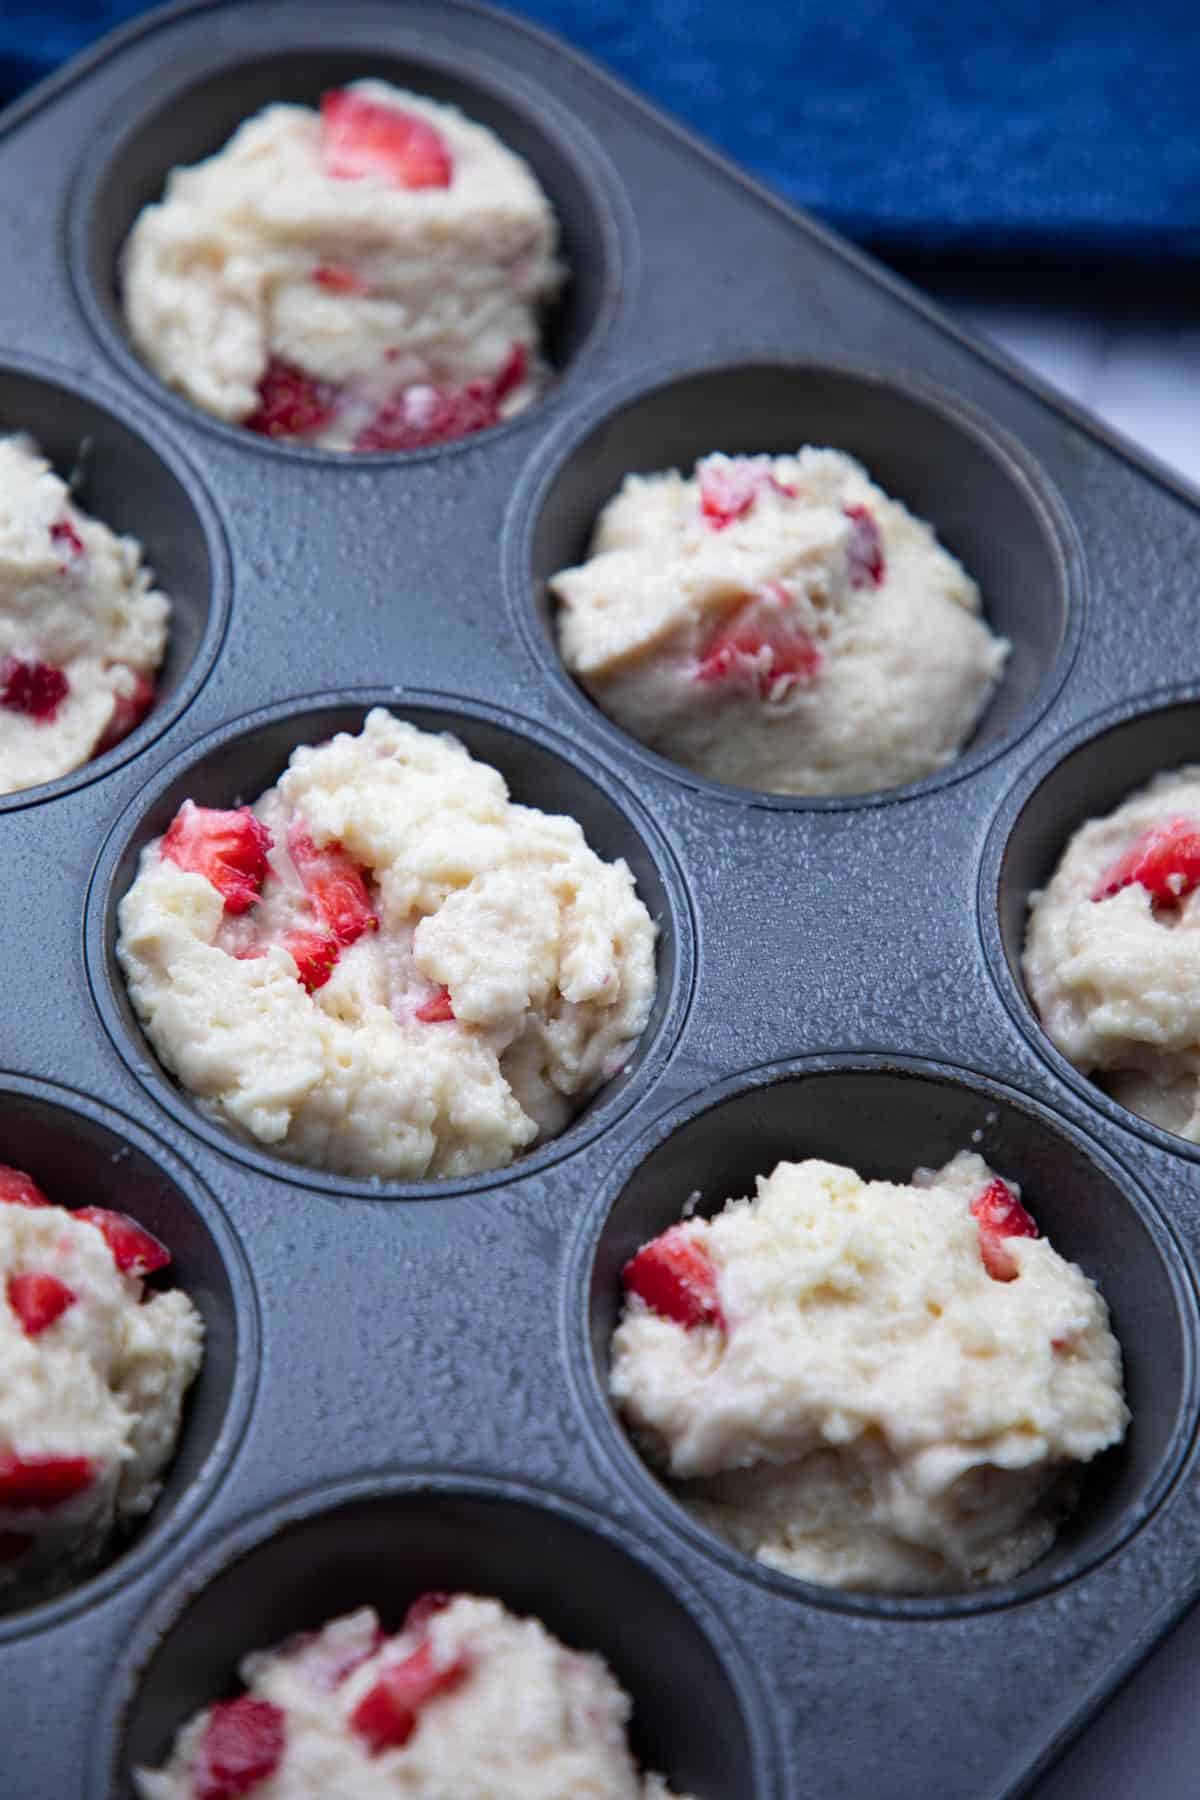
{"points": [[237, 763], [384, 1539], [884, 1117], [987, 500], [80, 1154]]}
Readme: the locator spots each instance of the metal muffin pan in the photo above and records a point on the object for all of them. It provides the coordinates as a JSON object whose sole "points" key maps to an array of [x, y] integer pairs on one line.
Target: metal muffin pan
{"points": [[405, 1385]]}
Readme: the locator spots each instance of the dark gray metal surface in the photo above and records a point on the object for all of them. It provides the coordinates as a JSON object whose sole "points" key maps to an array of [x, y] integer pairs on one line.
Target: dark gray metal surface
{"points": [[376, 1334]]}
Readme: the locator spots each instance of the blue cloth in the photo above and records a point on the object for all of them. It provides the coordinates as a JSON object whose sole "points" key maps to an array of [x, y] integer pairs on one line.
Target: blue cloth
{"points": [[1019, 125]]}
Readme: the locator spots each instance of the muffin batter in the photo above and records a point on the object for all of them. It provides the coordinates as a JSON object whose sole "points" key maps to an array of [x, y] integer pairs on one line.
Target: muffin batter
{"points": [[466, 1700], [93, 1371], [868, 1385], [368, 277], [387, 968], [778, 623], [1112, 953], [82, 628]]}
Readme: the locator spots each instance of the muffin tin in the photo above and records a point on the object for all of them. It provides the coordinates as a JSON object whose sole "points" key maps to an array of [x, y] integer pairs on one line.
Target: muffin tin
{"points": [[405, 1386]]}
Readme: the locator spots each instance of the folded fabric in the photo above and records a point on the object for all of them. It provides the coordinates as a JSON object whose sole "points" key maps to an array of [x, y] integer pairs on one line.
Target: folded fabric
{"points": [[912, 123]]}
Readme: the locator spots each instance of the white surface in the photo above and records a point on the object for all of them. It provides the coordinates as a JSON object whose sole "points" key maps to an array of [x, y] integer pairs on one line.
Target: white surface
{"points": [[1136, 363]]}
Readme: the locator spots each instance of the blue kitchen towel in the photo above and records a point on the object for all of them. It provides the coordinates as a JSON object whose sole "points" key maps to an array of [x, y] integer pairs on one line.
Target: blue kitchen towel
{"points": [[1014, 125]]}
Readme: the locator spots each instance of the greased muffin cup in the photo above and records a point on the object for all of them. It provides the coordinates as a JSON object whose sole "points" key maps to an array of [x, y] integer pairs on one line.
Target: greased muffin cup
{"points": [[406, 1384]]}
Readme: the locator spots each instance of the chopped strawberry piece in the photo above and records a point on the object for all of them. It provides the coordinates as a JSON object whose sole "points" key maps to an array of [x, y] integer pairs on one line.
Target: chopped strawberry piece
{"points": [[334, 884], [761, 646], [676, 1278], [241, 1745], [38, 1299], [41, 1482], [315, 956], [135, 1250], [362, 137], [227, 848], [1000, 1215], [337, 278], [19, 1189], [1165, 860], [729, 486], [424, 1608], [291, 404], [423, 414], [36, 688], [128, 712], [64, 534], [864, 548], [387, 1714], [437, 1010], [14, 1544], [513, 373]]}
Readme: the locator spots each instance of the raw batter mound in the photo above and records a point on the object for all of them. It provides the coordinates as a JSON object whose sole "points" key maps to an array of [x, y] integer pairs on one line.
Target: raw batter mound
{"points": [[368, 277], [1112, 953], [387, 968], [93, 1371], [867, 1385], [779, 623], [465, 1701], [82, 628]]}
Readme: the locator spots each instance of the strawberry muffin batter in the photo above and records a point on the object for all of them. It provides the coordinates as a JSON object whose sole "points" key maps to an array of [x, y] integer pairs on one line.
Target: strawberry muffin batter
{"points": [[82, 627], [1112, 953], [778, 623], [867, 1385], [465, 1701], [385, 967], [93, 1371], [365, 277]]}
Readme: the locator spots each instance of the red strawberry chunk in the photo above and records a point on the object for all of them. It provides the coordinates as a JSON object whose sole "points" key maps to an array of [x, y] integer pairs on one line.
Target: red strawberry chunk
{"points": [[315, 954], [437, 1010], [760, 646], [864, 548], [227, 848], [242, 1744], [38, 1299], [291, 404], [64, 534], [337, 278], [513, 372], [424, 1608], [362, 137], [334, 883], [388, 1713], [1165, 860], [32, 687], [19, 1189], [128, 712], [14, 1544], [729, 486], [1000, 1215], [423, 414], [41, 1482], [676, 1278], [135, 1250]]}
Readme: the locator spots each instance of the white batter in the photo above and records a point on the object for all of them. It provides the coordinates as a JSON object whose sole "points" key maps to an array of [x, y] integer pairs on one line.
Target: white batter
{"points": [[1116, 979], [297, 283], [779, 623], [863, 1404], [93, 1372], [509, 974], [82, 627], [518, 1717]]}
